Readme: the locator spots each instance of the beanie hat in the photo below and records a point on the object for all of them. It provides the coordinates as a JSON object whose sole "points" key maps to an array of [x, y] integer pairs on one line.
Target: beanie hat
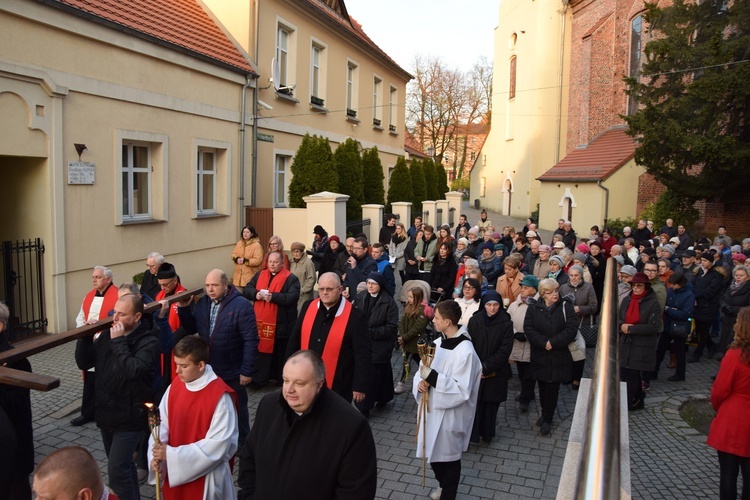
{"points": [[579, 257], [530, 280], [499, 246], [334, 238], [298, 246], [629, 270], [558, 259], [583, 247], [319, 230], [166, 271], [488, 245]]}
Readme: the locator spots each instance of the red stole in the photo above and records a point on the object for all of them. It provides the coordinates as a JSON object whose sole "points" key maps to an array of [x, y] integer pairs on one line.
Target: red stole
{"points": [[107, 305], [267, 312], [190, 415], [167, 360], [334, 340]]}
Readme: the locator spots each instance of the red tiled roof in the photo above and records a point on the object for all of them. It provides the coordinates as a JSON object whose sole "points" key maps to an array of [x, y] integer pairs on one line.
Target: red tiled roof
{"points": [[412, 146], [342, 17], [603, 156], [183, 23]]}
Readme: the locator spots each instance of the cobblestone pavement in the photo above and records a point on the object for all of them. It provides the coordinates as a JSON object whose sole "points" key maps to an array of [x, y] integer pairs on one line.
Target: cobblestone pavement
{"points": [[668, 458]]}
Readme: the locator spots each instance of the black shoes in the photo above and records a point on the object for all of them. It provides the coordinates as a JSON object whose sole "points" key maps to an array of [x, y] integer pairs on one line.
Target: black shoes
{"points": [[80, 420], [694, 359], [524, 407], [546, 428], [637, 405], [539, 421], [676, 378]]}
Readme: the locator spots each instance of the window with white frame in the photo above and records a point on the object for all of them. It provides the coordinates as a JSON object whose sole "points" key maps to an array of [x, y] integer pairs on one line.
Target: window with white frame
{"points": [[392, 112], [351, 89], [315, 61], [136, 181], [377, 100], [283, 36], [281, 179], [206, 182]]}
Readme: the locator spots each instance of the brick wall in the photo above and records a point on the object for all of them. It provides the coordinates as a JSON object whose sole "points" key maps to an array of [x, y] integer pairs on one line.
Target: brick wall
{"points": [[649, 191]]}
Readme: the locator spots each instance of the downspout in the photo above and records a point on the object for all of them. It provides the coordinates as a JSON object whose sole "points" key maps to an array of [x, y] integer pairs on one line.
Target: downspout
{"points": [[253, 202], [606, 200], [242, 151], [558, 132]]}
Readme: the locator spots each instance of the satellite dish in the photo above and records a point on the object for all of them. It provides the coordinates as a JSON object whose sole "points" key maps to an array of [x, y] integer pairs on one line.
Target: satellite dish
{"points": [[275, 74]]}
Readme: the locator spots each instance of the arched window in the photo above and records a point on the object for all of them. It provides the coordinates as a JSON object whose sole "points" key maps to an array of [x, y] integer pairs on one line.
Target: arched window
{"points": [[512, 83], [636, 50]]}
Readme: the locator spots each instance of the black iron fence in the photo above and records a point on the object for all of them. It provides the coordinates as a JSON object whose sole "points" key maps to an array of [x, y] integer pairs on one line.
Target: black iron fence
{"points": [[23, 287], [355, 227]]}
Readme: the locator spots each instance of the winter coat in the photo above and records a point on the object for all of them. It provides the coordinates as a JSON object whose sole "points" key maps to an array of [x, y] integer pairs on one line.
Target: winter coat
{"points": [[493, 342], [396, 250], [409, 254], [734, 300], [490, 269], [542, 325], [252, 252], [529, 261], [707, 289], [443, 275], [411, 328], [382, 324], [428, 250], [509, 289], [330, 258], [357, 274], [584, 297], [319, 248], [286, 299], [233, 344], [124, 375], [468, 308], [679, 307], [638, 348], [327, 452], [304, 270], [541, 269], [730, 397], [521, 347], [569, 239]]}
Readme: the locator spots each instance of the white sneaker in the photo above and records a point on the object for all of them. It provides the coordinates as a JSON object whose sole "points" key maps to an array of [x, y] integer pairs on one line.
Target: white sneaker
{"points": [[436, 493], [400, 388]]}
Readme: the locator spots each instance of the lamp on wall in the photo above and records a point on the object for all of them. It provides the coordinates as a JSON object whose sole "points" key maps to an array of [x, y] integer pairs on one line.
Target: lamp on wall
{"points": [[80, 148]]}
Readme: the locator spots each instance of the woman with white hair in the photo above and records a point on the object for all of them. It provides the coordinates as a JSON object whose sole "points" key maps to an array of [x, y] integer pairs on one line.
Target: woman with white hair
{"points": [[584, 301]]}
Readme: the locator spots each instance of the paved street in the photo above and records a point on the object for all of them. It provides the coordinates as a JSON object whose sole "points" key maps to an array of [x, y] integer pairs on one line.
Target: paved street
{"points": [[668, 458]]}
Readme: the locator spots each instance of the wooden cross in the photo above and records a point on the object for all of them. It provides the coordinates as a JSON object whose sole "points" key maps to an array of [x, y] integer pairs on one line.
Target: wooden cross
{"points": [[39, 382]]}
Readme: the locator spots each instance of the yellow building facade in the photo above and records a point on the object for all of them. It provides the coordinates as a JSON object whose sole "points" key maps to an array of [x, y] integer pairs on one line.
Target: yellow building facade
{"points": [[529, 104]]}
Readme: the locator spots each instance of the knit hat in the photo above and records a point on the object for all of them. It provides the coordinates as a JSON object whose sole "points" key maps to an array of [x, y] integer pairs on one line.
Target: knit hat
{"points": [[495, 236], [583, 248], [708, 255], [558, 259], [531, 234], [334, 238], [688, 253], [463, 240], [488, 245], [739, 257], [595, 243], [581, 257], [166, 272], [545, 248], [674, 240], [470, 254], [559, 245], [530, 280], [575, 267], [736, 249], [319, 230], [499, 246], [649, 251], [620, 259], [629, 270], [474, 230], [298, 246], [668, 248]]}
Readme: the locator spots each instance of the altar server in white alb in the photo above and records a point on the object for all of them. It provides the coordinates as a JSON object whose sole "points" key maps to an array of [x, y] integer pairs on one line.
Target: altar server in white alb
{"points": [[453, 384], [198, 430]]}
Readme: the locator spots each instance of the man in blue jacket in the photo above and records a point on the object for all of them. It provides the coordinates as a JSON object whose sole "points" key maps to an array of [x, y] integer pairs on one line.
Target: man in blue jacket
{"points": [[226, 321]]}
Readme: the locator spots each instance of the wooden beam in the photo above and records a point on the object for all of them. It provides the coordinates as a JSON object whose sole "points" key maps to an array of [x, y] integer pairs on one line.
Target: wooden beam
{"points": [[49, 341], [35, 381]]}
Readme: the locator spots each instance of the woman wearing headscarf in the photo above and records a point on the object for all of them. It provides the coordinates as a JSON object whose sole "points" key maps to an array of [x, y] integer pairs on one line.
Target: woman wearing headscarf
{"points": [[247, 257], [638, 325], [491, 331], [730, 397], [550, 325], [585, 305], [382, 317], [521, 352]]}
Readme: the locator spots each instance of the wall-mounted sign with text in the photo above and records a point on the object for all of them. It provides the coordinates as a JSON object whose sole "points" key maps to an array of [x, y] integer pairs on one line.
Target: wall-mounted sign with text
{"points": [[80, 172]]}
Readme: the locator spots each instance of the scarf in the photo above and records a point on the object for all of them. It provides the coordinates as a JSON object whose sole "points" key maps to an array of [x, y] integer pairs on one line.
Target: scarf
{"points": [[633, 316], [554, 275]]}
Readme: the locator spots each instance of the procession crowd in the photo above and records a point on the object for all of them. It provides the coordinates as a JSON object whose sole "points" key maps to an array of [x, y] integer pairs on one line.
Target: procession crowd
{"points": [[475, 302]]}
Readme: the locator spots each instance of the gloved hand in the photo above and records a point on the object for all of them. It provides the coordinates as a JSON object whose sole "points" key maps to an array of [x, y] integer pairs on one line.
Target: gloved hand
{"points": [[424, 372]]}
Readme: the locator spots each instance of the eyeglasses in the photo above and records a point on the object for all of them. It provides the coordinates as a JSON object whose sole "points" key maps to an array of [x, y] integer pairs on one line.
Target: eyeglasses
{"points": [[357, 248], [649, 271], [550, 293]]}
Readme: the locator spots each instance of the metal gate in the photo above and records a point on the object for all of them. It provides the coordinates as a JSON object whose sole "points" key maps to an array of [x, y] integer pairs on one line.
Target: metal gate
{"points": [[23, 287]]}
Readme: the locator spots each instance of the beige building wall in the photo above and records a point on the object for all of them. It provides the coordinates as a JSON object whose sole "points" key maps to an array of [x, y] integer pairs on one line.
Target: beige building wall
{"points": [[289, 121], [623, 191], [66, 80], [527, 135]]}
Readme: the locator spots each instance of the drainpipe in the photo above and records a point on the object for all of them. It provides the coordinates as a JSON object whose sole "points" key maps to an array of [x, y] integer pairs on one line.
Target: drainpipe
{"points": [[558, 132], [606, 200], [253, 202], [242, 152]]}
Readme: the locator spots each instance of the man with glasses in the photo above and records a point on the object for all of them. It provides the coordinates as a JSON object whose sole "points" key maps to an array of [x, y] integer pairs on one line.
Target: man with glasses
{"points": [[332, 327], [96, 305], [359, 265], [150, 284]]}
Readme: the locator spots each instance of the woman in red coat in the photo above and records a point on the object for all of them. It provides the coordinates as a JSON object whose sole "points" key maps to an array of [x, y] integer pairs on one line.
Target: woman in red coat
{"points": [[730, 397]]}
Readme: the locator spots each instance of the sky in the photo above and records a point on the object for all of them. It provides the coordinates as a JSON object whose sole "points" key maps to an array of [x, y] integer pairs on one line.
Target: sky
{"points": [[458, 31]]}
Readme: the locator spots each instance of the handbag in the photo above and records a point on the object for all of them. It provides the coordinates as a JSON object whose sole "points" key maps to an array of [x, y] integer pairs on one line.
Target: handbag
{"points": [[590, 332], [577, 347], [679, 330]]}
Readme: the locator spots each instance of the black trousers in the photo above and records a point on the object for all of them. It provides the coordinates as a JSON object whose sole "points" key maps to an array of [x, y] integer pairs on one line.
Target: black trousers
{"points": [[578, 367], [527, 382], [633, 380], [548, 392], [88, 399], [448, 475], [703, 329], [729, 468]]}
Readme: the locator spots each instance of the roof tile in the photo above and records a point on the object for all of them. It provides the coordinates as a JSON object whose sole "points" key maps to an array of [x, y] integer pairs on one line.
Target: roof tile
{"points": [[602, 157], [179, 22]]}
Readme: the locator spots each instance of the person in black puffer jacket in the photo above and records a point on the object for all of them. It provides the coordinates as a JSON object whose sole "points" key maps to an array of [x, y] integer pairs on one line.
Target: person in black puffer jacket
{"points": [[638, 325], [677, 311], [381, 312], [491, 331], [735, 298], [331, 255], [707, 288], [549, 330], [443, 272]]}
